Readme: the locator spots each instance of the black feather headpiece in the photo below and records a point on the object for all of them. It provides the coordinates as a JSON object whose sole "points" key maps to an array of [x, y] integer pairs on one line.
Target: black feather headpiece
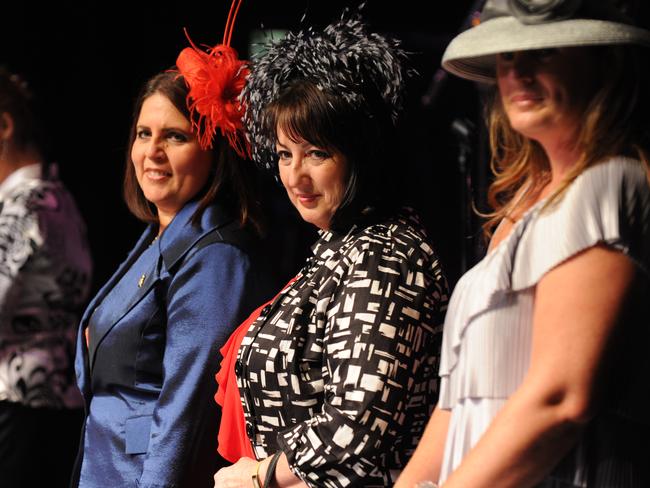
{"points": [[344, 59]]}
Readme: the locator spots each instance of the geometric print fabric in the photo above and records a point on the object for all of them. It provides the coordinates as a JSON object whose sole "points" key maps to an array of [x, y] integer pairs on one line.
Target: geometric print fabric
{"points": [[340, 371]]}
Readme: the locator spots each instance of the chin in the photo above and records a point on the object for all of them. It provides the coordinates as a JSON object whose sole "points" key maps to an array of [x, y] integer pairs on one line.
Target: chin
{"points": [[313, 220], [531, 125]]}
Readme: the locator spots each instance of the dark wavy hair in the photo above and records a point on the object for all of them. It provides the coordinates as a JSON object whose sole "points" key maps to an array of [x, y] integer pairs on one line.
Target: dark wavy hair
{"points": [[17, 101], [231, 178]]}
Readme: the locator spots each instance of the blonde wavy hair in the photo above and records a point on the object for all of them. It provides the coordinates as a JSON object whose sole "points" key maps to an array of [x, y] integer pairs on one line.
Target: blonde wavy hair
{"points": [[616, 122]]}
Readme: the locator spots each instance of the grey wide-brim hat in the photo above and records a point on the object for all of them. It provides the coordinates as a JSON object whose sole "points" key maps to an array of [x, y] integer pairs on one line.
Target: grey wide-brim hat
{"points": [[521, 25]]}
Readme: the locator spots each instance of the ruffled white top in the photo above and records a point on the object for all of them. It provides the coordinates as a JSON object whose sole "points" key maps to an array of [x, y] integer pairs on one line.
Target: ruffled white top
{"points": [[488, 329]]}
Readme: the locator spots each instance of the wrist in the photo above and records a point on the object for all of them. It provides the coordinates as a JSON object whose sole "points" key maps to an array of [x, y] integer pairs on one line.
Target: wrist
{"points": [[257, 476], [267, 471]]}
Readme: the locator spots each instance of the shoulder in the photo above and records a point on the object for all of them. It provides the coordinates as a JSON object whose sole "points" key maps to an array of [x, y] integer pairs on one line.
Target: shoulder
{"points": [[22, 232], [231, 235], [605, 200], [23, 209], [616, 181], [218, 252], [616, 169], [401, 233], [607, 204], [32, 196], [218, 233], [397, 242]]}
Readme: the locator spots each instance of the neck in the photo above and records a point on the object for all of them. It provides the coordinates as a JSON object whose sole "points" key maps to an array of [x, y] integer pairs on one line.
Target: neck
{"points": [[14, 160], [562, 154], [164, 219]]}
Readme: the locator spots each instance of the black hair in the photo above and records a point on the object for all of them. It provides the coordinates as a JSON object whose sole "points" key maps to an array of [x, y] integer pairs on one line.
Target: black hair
{"points": [[365, 136]]}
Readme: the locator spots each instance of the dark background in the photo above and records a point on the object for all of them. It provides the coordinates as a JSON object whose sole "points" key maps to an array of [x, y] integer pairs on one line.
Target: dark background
{"points": [[86, 62]]}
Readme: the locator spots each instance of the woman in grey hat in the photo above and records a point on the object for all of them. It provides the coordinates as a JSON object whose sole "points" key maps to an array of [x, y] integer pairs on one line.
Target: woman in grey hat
{"points": [[544, 369]]}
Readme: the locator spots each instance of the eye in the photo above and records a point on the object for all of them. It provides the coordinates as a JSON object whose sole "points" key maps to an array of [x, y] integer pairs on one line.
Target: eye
{"points": [[176, 136], [507, 56], [318, 155], [544, 54], [142, 133], [283, 156]]}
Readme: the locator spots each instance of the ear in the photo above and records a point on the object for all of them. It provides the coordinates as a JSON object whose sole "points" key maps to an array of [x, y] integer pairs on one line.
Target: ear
{"points": [[6, 127]]}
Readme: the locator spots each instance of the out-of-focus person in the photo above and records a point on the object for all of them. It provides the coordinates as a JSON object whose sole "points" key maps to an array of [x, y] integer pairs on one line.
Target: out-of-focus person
{"points": [[45, 269], [544, 366]]}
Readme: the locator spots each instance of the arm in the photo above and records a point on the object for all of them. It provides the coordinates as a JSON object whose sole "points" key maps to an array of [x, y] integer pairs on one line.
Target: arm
{"points": [[240, 474], [205, 301], [426, 462], [20, 237], [577, 305]]}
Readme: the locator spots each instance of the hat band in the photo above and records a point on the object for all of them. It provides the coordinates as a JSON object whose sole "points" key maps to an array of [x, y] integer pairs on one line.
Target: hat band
{"points": [[542, 11]]}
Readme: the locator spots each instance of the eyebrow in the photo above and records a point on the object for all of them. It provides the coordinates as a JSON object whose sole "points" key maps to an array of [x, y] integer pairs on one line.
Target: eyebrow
{"points": [[304, 144], [165, 129]]}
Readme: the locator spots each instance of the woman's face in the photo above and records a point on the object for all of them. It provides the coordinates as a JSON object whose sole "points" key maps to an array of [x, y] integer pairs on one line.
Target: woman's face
{"points": [[315, 179], [545, 92], [170, 166]]}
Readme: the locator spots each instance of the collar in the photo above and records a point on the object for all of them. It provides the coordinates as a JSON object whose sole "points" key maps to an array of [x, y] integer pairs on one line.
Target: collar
{"points": [[181, 234], [331, 241], [26, 174]]}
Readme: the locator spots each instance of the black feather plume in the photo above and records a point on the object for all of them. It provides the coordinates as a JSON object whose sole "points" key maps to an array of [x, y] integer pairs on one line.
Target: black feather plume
{"points": [[344, 59]]}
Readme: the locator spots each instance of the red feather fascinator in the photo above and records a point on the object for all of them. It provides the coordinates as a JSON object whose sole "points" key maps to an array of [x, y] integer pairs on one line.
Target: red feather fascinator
{"points": [[215, 78]]}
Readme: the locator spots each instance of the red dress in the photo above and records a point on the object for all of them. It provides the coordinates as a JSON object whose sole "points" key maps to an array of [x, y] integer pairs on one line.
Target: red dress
{"points": [[233, 440]]}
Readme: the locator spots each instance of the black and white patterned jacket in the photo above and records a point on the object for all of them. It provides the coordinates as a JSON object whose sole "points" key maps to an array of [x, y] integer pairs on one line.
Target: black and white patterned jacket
{"points": [[44, 280], [340, 371]]}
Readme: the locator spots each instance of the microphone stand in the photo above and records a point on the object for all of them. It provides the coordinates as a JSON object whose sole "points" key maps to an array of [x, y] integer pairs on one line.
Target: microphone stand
{"points": [[464, 130], [440, 76]]}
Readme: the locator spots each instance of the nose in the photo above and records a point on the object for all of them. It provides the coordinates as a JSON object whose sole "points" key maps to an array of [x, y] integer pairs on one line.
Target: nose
{"points": [[523, 65], [297, 171], [155, 149]]}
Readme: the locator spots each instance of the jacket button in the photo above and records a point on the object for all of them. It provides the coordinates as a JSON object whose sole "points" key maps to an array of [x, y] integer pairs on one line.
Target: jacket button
{"points": [[238, 367], [265, 310]]}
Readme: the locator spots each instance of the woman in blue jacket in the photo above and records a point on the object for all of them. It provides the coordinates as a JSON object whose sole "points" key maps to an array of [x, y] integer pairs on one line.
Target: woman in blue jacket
{"points": [[148, 344]]}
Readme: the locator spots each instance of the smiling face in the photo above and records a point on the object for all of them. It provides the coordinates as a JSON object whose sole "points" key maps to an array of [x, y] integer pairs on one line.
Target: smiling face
{"points": [[315, 179], [170, 166], [545, 92]]}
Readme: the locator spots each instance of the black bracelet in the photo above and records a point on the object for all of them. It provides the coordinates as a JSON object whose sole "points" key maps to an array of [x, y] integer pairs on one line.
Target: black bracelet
{"points": [[270, 471]]}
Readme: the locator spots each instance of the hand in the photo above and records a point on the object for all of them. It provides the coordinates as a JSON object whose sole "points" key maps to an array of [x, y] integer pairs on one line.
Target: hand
{"points": [[239, 475]]}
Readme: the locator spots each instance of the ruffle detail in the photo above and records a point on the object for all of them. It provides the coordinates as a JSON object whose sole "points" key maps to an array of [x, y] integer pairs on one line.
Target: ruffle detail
{"points": [[608, 203]]}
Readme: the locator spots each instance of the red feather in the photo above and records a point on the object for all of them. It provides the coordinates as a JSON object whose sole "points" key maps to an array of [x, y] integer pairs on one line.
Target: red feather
{"points": [[215, 79]]}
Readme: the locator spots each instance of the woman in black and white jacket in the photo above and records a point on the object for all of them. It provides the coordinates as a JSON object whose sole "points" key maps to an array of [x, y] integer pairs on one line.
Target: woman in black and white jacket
{"points": [[337, 373]]}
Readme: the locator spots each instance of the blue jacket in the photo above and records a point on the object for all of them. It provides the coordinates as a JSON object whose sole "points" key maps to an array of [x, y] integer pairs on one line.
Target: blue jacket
{"points": [[147, 374]]}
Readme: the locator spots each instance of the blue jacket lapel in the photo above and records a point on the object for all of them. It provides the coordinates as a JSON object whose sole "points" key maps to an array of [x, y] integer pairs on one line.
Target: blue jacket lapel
{"points": [[178, 239], [116, 314], [81, 360], [173, 244]]}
